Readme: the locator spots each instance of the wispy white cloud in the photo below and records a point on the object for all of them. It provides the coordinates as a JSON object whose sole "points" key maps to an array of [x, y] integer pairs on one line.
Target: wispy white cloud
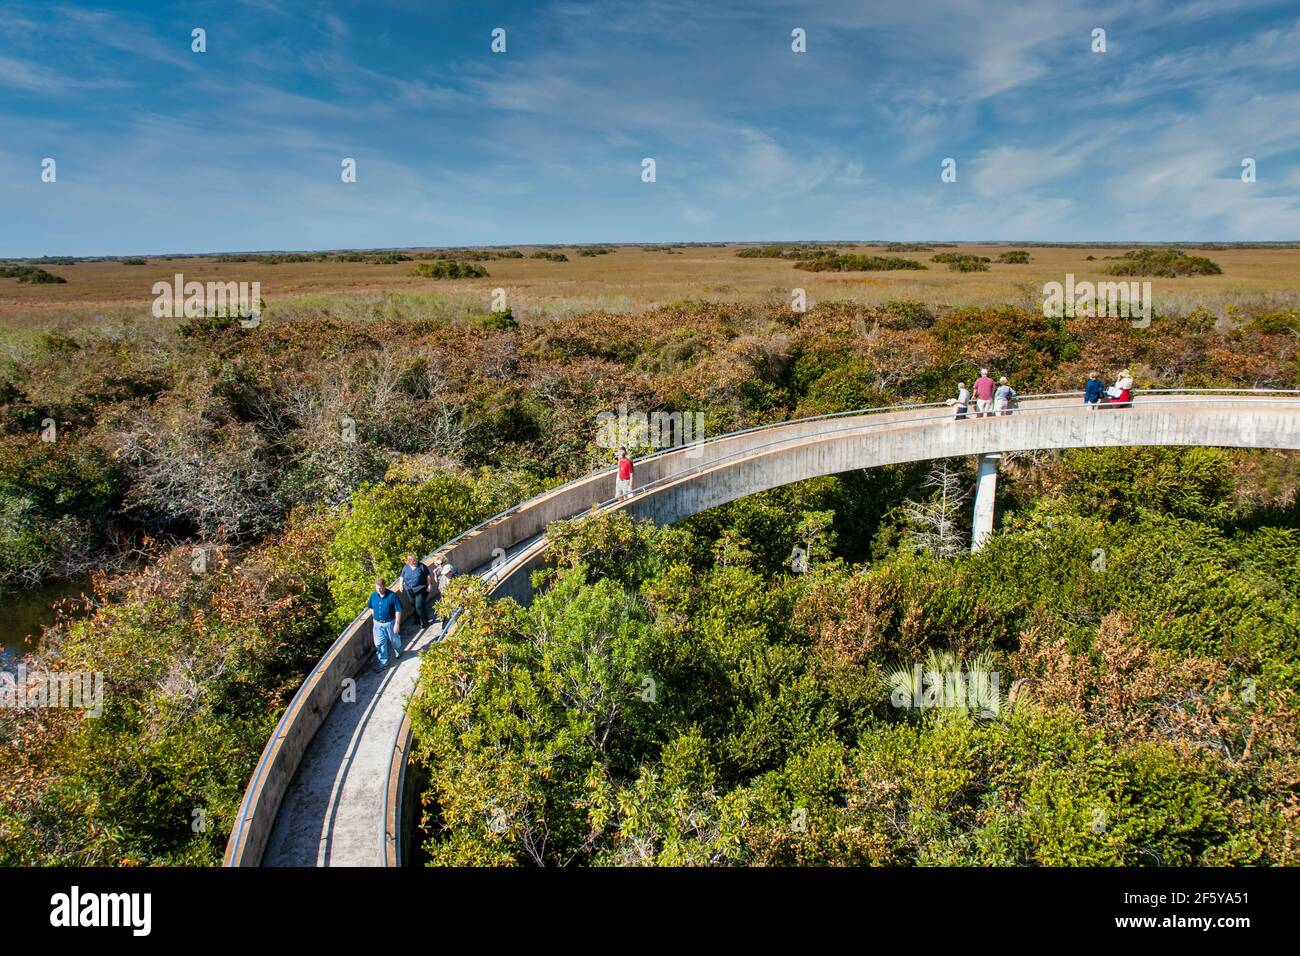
{"points": [[40, 78]]}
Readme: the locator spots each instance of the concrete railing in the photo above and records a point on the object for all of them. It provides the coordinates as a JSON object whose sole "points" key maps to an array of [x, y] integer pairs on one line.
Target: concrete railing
{"points": [[681, 481]]}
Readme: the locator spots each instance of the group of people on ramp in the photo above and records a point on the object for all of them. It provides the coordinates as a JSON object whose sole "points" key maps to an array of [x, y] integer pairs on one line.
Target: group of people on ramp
{"points": [[423, 586], [999, 398], [991, 398]]}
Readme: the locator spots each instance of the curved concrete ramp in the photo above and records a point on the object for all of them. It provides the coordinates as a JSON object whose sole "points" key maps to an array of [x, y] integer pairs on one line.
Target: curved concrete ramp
{"points": [[332, 813], [338, 808]]}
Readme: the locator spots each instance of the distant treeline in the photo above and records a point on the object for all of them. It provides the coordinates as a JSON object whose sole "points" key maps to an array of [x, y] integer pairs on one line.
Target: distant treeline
{"points": [[793, 250], [749, 251], [472, 255]]}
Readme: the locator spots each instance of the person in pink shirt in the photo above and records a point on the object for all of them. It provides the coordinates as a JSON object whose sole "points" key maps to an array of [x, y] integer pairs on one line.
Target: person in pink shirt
{"points": [[984, 389]]}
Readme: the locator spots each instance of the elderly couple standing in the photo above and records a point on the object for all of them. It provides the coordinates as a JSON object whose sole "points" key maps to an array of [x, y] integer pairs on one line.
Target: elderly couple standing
{"points": [[421, 584]]}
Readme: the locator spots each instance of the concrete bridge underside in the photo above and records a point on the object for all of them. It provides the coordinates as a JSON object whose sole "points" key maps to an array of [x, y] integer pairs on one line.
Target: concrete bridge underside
{"points": [[335, 804]]}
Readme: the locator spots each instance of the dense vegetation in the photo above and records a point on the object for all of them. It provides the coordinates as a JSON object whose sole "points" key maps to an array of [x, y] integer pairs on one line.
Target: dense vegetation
{"points": [[471, 255], [1168, 263], [449, 269], [32, 274], [197, 668], [959, 262], [680, 696], [307, 453], [856, 263], [786, 250]]}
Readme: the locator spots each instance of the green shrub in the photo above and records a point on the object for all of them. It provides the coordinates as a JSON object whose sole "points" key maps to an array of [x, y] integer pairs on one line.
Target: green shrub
{"points": [[503, 321], [1167, 263], [753, 698], [849, 387], [908, 314], [385, 522], [208, 325], [1281, 322], [960, 262], [30, 274], [856, 263], [57, 502], [1123, 483], [449, 269]]}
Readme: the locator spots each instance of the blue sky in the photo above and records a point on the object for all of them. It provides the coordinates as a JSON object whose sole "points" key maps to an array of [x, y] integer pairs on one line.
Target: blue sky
{"points": [[160, 149]]}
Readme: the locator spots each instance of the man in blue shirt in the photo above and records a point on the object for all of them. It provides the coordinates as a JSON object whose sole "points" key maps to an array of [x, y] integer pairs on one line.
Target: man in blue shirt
{"points": [[415, 582], [386, 607], [1092, 391]]}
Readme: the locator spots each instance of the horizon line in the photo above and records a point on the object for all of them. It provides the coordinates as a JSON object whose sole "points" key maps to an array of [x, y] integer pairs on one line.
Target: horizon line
{"points": [[706, 243]]}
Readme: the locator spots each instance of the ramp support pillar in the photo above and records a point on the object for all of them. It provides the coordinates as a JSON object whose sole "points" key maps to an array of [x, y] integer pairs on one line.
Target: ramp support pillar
{"points": [[986, 487]]}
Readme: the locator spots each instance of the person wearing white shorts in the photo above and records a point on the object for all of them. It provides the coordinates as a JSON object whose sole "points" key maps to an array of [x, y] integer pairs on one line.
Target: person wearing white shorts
{"points": [[984, 389], [623, 479]]}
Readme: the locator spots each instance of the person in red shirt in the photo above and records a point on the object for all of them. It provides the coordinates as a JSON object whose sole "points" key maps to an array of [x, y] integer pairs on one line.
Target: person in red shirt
{"points": [[1121, 393], [984, 389], [623, 484]]}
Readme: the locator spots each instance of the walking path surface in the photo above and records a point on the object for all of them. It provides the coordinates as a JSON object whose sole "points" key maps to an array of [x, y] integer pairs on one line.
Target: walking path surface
{"points": [[329, 816]]}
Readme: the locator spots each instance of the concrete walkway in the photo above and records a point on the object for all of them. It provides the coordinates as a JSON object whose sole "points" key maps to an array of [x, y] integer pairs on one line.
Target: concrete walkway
{"points": [[333, 814], [333, 811]]}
